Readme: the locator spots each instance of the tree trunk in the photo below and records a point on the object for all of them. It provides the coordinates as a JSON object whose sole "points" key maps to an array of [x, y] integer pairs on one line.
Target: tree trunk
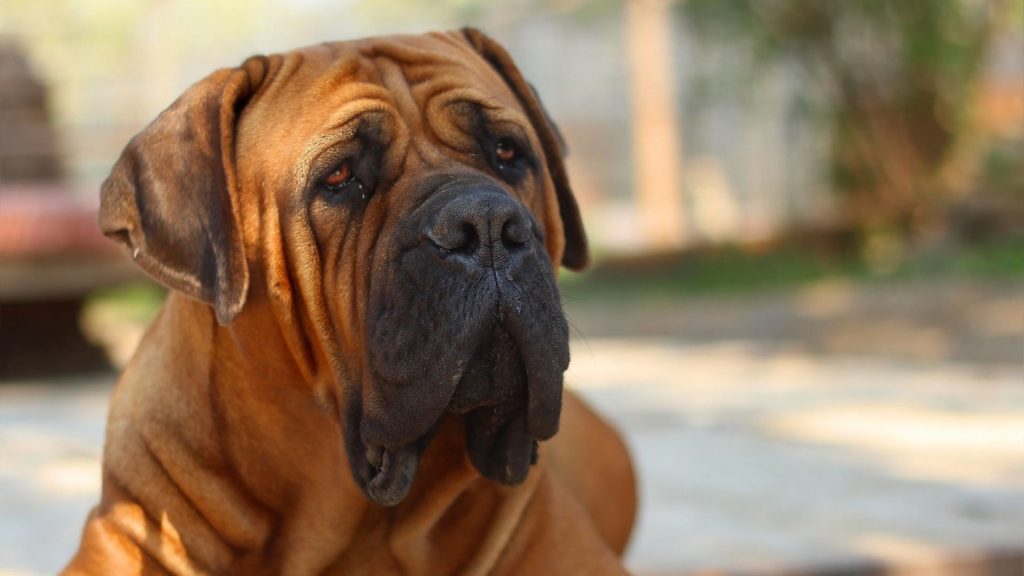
{"points": [[657, 147]]}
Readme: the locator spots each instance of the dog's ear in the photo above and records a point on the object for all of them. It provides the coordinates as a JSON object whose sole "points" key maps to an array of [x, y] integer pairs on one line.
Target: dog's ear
{"points": [[576, 255], [171, 198]]}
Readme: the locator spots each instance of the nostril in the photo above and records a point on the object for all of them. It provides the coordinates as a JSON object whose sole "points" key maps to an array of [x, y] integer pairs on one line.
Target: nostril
{"points": [[515, 234], [470, 239], [452, 235], [480, 229]]}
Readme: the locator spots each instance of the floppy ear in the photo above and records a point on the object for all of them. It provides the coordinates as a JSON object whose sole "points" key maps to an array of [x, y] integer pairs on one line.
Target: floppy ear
{"points": [[576, 254], [171, 198]]}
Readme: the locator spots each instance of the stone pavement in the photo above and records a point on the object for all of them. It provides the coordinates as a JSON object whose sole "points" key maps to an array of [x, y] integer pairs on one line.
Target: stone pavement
{"points": [[51, 437], [772, 462], [752, 460]]}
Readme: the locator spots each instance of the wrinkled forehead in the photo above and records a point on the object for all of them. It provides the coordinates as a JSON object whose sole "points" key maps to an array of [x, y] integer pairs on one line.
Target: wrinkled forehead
{"points": [[412, 80]]}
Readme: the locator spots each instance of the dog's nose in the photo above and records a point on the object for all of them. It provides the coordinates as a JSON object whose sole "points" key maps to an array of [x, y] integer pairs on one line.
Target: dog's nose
{"points": [[487, 227]]}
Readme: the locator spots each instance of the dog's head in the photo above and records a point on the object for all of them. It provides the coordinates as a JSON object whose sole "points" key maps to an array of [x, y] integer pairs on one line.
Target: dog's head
{"points": [[403, 206]]}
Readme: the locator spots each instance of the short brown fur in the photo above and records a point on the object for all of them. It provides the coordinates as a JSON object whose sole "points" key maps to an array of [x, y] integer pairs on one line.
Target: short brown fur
{"points": [[224, 450]]}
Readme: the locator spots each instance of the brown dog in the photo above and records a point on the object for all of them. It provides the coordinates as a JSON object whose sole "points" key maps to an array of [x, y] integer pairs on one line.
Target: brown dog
{"points": [[366, 343]]}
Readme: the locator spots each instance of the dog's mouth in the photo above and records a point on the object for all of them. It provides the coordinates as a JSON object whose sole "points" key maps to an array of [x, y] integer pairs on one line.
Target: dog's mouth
{"points": [[493, 398]]}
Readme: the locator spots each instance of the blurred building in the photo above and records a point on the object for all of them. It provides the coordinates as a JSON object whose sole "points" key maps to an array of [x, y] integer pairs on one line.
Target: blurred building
{"points": [[28, 141]]}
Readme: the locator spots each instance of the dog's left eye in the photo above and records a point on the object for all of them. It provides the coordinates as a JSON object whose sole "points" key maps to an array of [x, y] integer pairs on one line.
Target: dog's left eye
{"points": [[511, 159], [343, 179], [505, 151]]}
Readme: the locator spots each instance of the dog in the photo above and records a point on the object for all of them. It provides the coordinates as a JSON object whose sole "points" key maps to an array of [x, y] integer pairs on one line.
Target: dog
{"points": [[364, 346]]}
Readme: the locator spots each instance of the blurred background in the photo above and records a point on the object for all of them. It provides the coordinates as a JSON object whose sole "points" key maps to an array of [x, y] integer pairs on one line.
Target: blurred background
{"points": [[806, 309]]}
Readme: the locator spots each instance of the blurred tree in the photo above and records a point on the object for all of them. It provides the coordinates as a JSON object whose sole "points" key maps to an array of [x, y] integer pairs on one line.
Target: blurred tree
{"points": [[657, 139], [899, 79]]}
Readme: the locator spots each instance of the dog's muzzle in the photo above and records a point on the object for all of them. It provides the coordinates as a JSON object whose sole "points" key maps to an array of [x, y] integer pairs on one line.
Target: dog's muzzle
{"points": [[465, 320]]}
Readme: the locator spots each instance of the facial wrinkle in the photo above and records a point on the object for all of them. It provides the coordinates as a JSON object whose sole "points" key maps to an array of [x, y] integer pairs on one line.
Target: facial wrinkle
{"points": [[395, 80]]}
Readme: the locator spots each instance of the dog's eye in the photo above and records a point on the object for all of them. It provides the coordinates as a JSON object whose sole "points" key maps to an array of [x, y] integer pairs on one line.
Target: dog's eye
{"points": [[506, 152], [343, 179], [511, 158], [341, 175]]}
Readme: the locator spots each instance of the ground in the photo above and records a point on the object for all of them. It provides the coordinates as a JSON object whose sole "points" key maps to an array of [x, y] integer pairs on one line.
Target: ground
{"points": [[841, 428]]}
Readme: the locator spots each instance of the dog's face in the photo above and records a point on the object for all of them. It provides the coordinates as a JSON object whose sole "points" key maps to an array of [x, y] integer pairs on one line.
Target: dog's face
{"points": [[401, 202]]}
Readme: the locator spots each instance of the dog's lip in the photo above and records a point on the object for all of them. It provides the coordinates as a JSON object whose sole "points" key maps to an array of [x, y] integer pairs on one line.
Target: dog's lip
{"points": [[483, 363], [390, 472], [501, 449], [375, 456]]}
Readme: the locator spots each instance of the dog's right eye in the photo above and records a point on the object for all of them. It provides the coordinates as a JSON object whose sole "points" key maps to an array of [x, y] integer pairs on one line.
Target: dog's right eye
{"points": [[340, 175], [342, 181]]}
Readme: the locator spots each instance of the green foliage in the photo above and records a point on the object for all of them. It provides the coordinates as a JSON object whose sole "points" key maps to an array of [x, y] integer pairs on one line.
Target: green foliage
{"points": [[728, 270], [734, 271], [1003, 168], [136, 303], [899, 77]]}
